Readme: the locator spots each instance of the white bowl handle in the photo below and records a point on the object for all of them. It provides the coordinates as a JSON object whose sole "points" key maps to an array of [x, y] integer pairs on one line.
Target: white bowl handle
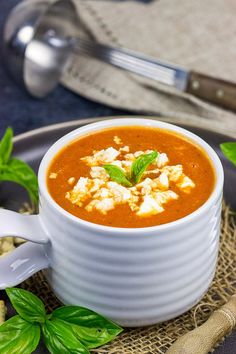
{"points": [[28, 258]]}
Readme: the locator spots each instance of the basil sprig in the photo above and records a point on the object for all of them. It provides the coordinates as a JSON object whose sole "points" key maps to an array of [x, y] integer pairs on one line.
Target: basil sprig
{"points": [[117, 175], [138, 168], [140, 165], [14, 170], [229, 150], [68, 329]]}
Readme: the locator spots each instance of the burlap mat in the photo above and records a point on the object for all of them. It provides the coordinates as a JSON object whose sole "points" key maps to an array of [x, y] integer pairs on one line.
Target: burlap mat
{"points": [[157, 339], [198, 35]]}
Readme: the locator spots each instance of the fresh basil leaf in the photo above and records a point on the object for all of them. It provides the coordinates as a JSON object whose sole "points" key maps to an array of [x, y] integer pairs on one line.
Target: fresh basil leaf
{"points": [[18, 336], [19, 172], [140, 165], [28, 305], [117, 175], [229, 150], [60, 338], [92, 329], [6, 146]]}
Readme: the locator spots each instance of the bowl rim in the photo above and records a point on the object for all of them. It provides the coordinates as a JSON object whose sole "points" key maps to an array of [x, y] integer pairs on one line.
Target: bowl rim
{"points": [[130, 121]]}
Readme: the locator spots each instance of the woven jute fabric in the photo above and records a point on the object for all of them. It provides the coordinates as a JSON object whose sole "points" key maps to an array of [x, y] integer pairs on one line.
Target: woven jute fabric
{"points": [[157, 339], [198, 35]]}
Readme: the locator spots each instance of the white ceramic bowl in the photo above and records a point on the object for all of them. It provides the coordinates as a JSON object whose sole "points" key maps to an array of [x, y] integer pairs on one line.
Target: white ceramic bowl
{"points": [[134, 276]]}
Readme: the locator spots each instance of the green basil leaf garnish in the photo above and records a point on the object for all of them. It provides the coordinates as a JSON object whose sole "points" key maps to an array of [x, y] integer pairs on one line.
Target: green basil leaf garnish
{"points": [[117, 175], [60, 338], [19, 172], [18, 336], [68, 330], [6, 146], [140, 165], [28, 306], [14, 170], [229, 150], [92, 329]]}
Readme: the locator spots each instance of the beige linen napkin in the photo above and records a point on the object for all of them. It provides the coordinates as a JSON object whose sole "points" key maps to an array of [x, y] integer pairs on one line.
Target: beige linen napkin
{"points": [[195, 34]]}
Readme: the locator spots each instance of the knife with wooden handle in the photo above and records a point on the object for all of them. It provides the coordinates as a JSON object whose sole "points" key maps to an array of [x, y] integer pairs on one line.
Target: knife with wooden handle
{"points": [[213, 90], [216, 91]]}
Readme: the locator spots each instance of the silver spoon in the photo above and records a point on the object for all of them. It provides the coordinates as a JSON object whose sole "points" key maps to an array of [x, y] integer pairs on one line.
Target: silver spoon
{"points": [[33, 62], [40, 36]]}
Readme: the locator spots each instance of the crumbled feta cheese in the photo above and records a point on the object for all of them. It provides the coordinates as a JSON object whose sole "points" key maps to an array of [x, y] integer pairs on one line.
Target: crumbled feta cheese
{"points": [[99, 172], [129, 157], [53, 175], [126, 165], [82, 185], [165, 197], [162, 160], [186, 184], [149, 207], [148, 197], [103, 156], [124, 149], [107, 155], [103, 206], [75, 198], [162, 181], [80, 192], [104, 193], [96, 184], [117, 140], [174, 172], [120, 194], [71, 180], [145, 185]]}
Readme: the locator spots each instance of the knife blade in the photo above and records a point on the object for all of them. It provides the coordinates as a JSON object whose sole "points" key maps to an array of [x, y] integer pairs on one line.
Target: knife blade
{"points": [[213, 90]]}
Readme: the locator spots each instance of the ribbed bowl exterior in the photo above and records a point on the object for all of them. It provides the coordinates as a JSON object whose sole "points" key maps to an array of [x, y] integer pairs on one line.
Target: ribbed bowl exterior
{"points": [[134, 280], [136, 277]]}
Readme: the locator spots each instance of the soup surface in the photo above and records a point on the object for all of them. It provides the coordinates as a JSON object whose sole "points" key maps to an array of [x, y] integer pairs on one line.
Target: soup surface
{"points": [[171, 177]]}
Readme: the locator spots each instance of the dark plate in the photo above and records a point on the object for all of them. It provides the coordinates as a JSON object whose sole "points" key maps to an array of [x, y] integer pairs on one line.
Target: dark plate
{"points": [[31, 147]]}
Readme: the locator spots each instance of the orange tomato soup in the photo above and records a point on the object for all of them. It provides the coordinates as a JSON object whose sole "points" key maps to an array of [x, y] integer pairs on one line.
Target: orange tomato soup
{"points": [[67, 168]]}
